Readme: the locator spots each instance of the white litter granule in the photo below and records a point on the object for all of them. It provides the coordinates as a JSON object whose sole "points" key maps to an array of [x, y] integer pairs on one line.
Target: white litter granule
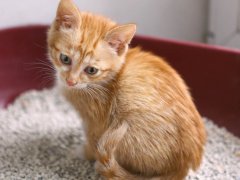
{"points": [[40, 135]]}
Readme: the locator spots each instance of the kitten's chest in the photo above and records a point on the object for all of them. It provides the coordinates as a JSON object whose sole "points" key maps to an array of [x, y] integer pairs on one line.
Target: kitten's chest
{"points": [[90, 111], [94, 112], [95, 117]]}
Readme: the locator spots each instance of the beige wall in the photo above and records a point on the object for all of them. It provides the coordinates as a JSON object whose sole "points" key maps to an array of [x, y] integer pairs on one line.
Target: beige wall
{"points": [[178, 19]]}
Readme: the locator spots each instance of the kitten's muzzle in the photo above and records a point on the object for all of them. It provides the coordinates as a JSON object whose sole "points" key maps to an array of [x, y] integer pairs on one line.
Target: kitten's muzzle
{"points": [[71, 82]]}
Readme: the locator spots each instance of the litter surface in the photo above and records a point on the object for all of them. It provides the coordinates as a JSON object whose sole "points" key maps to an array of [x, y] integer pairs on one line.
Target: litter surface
{"points": [[40, 136]]}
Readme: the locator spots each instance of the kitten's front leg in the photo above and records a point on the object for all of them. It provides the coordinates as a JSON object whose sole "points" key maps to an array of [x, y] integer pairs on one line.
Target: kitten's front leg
{"points": [[88, 152], [106, 163], [111, 171], [84, 152]]}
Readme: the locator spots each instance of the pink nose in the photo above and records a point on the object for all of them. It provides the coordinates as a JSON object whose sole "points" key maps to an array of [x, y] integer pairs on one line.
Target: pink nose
{"points": [[71, 82]]}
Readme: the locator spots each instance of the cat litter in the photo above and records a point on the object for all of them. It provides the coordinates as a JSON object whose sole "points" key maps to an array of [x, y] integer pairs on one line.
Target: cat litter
{"points": [[40, 136]]}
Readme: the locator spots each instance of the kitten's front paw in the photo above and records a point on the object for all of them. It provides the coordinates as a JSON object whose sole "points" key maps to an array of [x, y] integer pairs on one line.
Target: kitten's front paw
{"points": [[106, 171], [100, 168]]}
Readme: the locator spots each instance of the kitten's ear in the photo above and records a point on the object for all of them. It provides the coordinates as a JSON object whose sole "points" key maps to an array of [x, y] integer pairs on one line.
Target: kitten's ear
{"points": [[119, 37], [68, 15]]}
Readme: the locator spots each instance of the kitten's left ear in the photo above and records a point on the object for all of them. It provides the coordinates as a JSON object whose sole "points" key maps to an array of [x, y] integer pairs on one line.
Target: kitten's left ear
{"points": [[119, 37], [68, 15]]}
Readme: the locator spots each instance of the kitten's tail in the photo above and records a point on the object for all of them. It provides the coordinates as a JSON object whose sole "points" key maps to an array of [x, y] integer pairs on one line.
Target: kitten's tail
{"points": [[107, 164]]}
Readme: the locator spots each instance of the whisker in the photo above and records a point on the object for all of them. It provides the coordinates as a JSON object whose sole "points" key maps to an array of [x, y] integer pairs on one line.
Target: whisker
{"points": [[42, 61], [45, 77], [45, 65], [99, 92], [101, 89], [89, 91]]}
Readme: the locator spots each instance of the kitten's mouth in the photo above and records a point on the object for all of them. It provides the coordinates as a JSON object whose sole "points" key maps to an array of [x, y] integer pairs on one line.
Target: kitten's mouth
{"points": [[78, 86]]}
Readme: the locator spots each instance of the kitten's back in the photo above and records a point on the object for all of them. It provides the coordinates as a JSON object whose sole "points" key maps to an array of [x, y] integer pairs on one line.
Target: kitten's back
{"points": [[160, 108]]}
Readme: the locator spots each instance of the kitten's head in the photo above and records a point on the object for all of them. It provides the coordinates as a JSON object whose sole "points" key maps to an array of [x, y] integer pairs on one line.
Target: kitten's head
{"points": [[86, 49]]}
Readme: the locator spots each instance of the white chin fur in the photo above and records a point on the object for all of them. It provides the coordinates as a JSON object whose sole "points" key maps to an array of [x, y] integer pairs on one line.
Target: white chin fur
{"points": [[78, 86], [81, 86]]}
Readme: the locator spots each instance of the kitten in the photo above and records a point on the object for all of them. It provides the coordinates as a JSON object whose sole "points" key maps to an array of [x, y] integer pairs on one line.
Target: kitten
{"points": [[139, 119]]}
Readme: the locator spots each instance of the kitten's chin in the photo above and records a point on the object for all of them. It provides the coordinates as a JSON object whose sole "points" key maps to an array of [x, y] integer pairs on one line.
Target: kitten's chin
{"points": [[80, 86], [75, 87]]}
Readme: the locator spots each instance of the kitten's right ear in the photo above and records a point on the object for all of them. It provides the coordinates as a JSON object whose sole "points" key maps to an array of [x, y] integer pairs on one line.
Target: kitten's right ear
{"points": [[68, 15]]}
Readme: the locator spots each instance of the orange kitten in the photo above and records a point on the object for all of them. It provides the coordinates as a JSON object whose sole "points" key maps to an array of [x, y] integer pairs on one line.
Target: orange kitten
{"points": [[139, 119]]}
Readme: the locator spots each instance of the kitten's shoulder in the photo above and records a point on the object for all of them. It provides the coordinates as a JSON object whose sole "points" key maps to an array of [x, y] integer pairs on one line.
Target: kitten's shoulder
{"points": [[137, 53], [139, 61]]}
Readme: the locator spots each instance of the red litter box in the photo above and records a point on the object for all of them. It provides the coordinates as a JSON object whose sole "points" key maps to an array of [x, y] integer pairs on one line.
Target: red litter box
{"points": [[212, 73]]}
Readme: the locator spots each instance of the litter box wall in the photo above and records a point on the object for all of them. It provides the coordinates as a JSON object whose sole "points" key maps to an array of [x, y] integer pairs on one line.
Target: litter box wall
{"points": [[213, 74]]}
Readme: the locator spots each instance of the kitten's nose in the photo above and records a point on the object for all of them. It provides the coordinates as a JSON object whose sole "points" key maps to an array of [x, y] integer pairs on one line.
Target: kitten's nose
{"points": [[71, 82]]}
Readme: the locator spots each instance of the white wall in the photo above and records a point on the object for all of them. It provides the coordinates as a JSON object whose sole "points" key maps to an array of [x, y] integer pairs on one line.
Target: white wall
{"points": [[224, 23], [178, 19]]}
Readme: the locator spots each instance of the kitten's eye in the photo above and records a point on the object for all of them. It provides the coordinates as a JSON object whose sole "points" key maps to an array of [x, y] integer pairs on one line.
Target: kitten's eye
{"points": [[65, 59], [91, 70]]}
